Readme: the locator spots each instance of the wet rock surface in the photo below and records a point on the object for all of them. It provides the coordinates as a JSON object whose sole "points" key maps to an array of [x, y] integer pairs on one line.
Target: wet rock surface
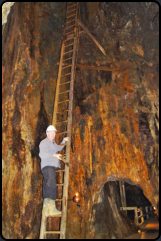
{"points": [[115, 130]]}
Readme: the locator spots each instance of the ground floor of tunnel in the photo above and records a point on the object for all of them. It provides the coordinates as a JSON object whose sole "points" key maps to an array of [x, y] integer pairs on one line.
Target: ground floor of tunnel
{"points": [[149, 230]]}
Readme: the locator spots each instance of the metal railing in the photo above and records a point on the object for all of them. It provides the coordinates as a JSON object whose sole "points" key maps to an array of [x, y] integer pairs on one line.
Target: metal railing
{"points": [[140, 214]]}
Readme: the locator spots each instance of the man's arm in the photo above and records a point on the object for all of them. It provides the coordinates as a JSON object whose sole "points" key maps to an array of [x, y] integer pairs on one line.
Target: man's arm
{"points": [[59, 148]]}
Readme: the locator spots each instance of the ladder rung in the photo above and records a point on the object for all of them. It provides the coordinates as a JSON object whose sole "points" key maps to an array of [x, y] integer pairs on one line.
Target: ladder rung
{"points": [[60, 184], [62, 170], [63, 93], [59, 199], [72, 10], [61, 132], [71, 6], [62, 111], [69, 38], [82, 32], [70, 21], [70, 26], [67, 59], [60, 122], [68, 52], [63, 101], [52, 232], [69, 32], [65, 83], [71, 15], [69, 45], [71, 35], [65, 74], [66, 66]]}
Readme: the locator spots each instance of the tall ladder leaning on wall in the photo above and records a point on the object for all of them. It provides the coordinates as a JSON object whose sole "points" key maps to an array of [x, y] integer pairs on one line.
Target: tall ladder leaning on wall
{"points": [[62, 114], [64, 94]]}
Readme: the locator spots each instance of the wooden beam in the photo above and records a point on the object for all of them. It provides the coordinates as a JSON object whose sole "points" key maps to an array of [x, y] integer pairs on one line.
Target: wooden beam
{"points": [[86, 66], [96, 42], [128, 208]]}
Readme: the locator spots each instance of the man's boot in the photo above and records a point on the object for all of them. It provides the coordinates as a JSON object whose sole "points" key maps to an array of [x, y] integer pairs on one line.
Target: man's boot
{"points": [[46, 206], [52, 208]]}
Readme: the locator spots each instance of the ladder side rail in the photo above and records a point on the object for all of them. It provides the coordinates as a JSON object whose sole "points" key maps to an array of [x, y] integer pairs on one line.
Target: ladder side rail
{"points": [[77, 28], [43, 224], [69, 129], [57, 87], [64, 199], [69, 132]]}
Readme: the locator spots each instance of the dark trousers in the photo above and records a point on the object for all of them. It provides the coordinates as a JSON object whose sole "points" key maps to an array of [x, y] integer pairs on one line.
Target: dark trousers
{"points": [[49, 182]]}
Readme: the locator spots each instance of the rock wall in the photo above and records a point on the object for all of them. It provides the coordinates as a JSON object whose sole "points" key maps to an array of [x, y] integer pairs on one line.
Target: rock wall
{"points": [[31, 48], [115, 131], [116, 113]]}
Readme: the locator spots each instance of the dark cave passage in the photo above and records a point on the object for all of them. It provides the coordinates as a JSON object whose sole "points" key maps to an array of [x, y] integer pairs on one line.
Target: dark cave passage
{"points": [[135, 198], [109, 221], [107, 213]]}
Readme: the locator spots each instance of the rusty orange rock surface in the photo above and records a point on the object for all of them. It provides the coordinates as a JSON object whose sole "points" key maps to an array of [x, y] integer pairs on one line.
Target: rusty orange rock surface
{"points": [[115, 131]]}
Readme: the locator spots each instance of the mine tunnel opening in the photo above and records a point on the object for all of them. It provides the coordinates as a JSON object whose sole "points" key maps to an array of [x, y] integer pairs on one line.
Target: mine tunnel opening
{"points": [[135, 198], [107, 211], [109, 221]]}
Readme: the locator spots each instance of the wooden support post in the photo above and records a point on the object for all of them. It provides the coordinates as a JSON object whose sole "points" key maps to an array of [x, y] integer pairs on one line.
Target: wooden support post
{"points": [[86, 66], [96, 42], [136, 217], [146, 210], [122, 194]]}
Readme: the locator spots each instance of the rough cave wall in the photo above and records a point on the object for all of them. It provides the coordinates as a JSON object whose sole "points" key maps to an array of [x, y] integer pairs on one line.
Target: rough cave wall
{"points": [[31, 49], [115, 117], [116, 114]]}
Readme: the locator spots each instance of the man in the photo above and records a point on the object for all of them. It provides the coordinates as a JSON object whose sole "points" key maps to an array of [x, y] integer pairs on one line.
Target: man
{"points": [[50, 160]]}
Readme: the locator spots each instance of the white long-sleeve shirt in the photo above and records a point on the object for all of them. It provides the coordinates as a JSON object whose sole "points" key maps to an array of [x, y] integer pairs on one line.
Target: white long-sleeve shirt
{"points": [[47, 150]]}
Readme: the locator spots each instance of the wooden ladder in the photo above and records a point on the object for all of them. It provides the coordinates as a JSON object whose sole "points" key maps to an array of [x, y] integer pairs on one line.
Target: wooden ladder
{"points": [[62, 114]]}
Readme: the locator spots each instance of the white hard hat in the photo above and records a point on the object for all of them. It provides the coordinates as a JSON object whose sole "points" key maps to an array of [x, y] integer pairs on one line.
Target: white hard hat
{"points": [[50, 128]]}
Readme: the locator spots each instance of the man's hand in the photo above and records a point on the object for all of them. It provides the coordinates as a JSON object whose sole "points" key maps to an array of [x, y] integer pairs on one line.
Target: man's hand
{"points": [[66, 139], [59, 156]]}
